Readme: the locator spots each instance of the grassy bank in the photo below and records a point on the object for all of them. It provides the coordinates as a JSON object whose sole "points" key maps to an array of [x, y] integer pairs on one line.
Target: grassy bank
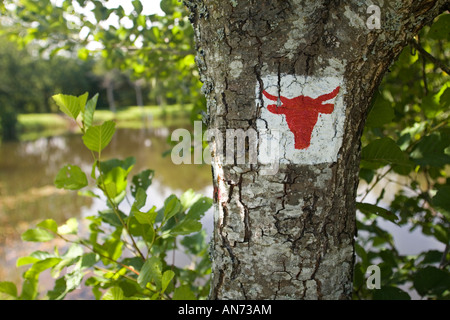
{"points": [[32, 126]]}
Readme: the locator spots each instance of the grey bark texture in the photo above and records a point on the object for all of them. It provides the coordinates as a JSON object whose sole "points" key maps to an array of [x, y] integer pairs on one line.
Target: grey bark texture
{"points": [[291, 235]]}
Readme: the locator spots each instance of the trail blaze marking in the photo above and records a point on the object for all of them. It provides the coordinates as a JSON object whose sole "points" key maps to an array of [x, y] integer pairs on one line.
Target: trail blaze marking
{"points": [[302, 113]]}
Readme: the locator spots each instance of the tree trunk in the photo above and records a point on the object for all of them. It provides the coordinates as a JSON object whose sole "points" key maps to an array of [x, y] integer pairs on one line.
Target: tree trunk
{"points": [[301, 74], [138, 90], [110, 95]]}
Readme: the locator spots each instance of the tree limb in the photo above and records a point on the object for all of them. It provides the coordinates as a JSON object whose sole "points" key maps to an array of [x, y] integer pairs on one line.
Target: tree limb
{"points": [[430, 57]]}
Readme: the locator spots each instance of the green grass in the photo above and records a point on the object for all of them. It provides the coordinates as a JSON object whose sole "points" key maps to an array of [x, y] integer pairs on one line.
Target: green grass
{"points": [[47, 124], [136, 117], [38, 122]]}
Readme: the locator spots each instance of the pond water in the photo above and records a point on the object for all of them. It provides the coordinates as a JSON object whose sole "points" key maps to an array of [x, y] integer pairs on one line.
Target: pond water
{"points": [[27, 193]]}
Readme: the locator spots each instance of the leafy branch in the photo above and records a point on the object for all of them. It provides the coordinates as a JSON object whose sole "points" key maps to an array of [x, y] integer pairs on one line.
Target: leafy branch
{"points": [[140, 276], [429, 56]]}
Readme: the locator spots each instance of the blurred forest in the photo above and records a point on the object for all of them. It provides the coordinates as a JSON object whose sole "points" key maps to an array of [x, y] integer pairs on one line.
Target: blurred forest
{"points": [[82, 46]]}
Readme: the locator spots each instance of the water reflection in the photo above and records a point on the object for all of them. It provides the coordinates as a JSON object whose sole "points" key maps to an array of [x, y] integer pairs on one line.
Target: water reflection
{"points": [[27, 194]]}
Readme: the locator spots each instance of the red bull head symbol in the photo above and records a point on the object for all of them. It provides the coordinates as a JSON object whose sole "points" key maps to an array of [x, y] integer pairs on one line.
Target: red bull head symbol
{"points": [[302, 113]]}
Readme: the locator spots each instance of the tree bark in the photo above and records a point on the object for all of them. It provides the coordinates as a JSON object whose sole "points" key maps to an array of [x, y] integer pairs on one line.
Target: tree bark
{"points": [[290, 235]]}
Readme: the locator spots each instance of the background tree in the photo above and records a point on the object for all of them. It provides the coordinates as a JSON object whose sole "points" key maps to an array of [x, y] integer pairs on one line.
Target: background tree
{"points": [[158, 48], [28, 82], [139, 43]]}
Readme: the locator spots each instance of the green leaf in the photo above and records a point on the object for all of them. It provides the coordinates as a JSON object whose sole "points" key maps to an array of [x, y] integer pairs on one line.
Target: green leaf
{"points": [[114, 293], [442, 201], [37, 235], [384, 151], [22, 261], [431, 150], [439, 29], [137, 6], [88, 193], [358, 276], [74, 251], [441, 233], [9, 288], [368, 209], [189, 223], [390, 293], [70, 258], [184, 292], [189, 198], [112, 248], [73, 279], [172, 206], [140, 200], [115, 181], [195, 243], [430, 106], [71, 177], [366, 174], [39, 266], [432, 256], [143, 180], [151, 271], [166, 278], [82, 101], [110, 217], [32, 258], [70, 227], [49, 224], [110, 189], [97, 138], [88, 114], [186, 226], [83, 53], [361, 252], [444, 99], [29, 289], [59, 290], [71, 105], [146, 217], [381, 113], [108, 165], [94, 166], [431, 281], [143, 230], [199, 208], [88, 260]]}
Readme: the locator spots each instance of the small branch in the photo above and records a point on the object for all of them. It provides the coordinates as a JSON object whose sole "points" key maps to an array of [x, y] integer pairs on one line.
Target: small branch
{"points": [[444, 261], [431, 58], [81, 242], [117, 211], [424, 74], [378, 179]]}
